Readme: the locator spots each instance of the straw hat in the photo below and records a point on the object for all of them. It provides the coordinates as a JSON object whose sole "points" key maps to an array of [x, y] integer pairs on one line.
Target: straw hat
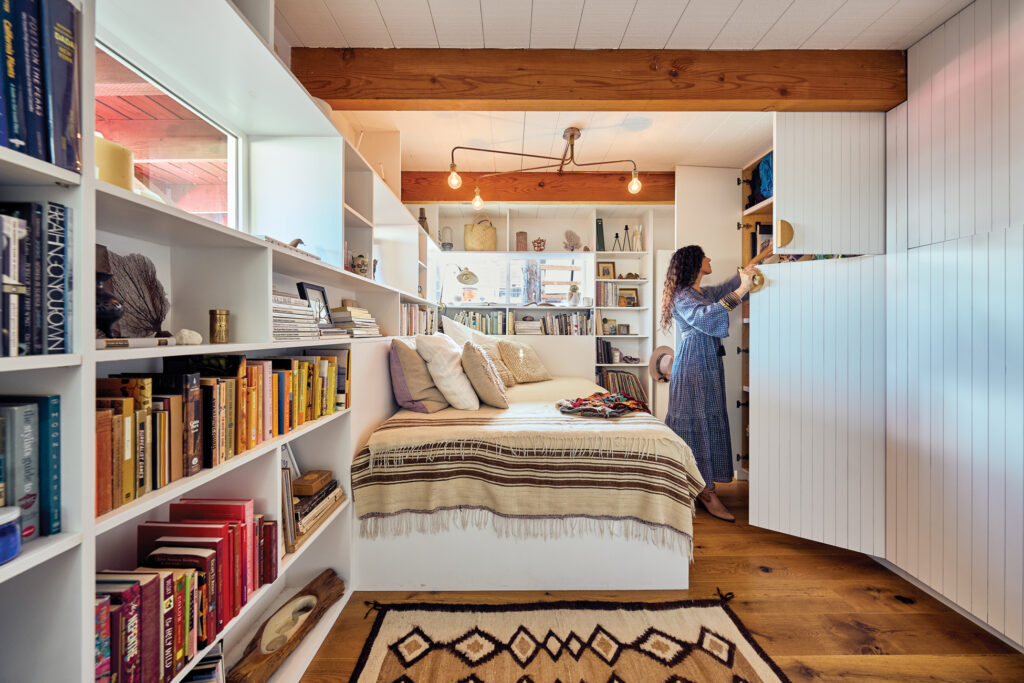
{"points": [[661, 363]]}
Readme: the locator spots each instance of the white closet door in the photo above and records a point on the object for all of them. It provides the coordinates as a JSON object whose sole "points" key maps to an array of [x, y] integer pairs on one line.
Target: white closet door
{"points": [[829, 181], [817, 402]]}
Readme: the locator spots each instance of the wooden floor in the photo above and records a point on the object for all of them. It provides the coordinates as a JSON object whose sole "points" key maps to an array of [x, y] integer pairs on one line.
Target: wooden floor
{"points": [[823, 614]]}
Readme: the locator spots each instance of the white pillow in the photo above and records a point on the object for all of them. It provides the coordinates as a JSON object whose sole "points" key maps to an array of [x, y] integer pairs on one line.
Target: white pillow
{"points": [[461, 334], [444, 363]]}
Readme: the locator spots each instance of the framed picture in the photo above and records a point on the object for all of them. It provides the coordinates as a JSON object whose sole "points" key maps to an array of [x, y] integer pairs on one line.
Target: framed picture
{"points": [[317, 298], [631, 295], [610, 326], [606, 270], [622, 328]]}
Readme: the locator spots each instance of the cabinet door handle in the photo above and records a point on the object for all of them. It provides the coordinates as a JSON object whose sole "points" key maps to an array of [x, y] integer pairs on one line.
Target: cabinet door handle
{"points": [[740, 404], [785, 233], [740, 349]]}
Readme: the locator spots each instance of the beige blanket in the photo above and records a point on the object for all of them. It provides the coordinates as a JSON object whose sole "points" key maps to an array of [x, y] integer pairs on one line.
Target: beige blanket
{"points": [[528, 471]]}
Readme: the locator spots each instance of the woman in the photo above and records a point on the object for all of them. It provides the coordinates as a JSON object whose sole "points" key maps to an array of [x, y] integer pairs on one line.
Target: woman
{"points": [[696, 408]]}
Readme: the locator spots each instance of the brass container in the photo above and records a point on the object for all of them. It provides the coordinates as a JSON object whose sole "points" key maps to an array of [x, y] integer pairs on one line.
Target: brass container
{"points": [[219, 326]]}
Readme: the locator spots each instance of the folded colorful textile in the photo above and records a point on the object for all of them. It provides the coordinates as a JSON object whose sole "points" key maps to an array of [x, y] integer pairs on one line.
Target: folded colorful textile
{"points": [[602, 405]]}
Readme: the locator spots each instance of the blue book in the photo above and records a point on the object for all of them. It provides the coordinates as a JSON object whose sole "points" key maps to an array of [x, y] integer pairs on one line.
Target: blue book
{"points": [[59, 21], [13, 75], [31, 64], [56, 299], [49, 460]]}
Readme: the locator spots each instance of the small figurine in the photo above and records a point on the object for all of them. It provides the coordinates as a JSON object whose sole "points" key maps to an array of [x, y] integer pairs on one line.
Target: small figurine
{"points": [[539, 244]]}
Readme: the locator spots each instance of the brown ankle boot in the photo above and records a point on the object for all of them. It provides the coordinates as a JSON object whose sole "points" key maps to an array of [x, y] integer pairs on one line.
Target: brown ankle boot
{"points": [[714, 505]]}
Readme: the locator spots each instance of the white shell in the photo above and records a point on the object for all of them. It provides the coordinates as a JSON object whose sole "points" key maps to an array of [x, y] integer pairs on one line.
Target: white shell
{"points": [[188, 337]]}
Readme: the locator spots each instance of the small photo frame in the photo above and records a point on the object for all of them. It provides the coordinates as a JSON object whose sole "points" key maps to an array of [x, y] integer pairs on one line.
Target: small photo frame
{"points": [[317, 298], [610, 326], [622, 328], [631, 296], [606, 270]]}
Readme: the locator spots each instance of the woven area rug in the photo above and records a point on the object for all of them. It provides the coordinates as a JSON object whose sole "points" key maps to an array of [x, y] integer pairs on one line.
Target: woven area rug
{"points": [[542, 642]]}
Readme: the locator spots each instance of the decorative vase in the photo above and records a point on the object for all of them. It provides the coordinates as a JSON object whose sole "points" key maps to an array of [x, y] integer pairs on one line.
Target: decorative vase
{"points": [[521, 241], [539, 244], [446, 239], [574, 298]]}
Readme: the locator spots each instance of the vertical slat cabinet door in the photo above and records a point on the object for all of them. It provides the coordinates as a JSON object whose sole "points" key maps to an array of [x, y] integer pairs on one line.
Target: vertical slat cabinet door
{"points": [[817, 381], [829, 182]]}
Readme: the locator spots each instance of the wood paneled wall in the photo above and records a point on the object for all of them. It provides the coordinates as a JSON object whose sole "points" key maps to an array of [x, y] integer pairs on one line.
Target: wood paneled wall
{"points": [[817, 409], [955, 315], [829, 181]]}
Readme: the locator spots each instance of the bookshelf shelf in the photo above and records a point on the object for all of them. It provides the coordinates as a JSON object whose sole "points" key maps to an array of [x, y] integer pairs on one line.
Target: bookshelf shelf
{"points": [[622, 281], [622, 308], [354, 219], [118, 355], [623, 254], [57, 360], [115, 518], [290, 558], [621, 365], [38, 551], [622, 336], [121, 212], [762, 206], [17, 168]]}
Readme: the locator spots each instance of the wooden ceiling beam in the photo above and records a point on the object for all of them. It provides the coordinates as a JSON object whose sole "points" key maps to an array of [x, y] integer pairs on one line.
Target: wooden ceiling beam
{"points": [[604, 80], [431, 187]]}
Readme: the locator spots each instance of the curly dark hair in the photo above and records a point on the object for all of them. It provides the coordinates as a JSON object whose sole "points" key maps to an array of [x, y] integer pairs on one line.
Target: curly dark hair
{"points": [[683, 270]]}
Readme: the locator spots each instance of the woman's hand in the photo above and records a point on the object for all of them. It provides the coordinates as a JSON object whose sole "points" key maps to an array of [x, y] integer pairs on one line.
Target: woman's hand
{"points": [[746, 280]]}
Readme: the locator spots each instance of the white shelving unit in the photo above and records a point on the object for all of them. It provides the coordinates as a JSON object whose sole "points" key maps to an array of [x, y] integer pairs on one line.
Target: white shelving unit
{"points": [[550, 222], [297, 177]]}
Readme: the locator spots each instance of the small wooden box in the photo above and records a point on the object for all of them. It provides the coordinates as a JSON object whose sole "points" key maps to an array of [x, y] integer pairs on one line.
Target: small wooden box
{"points": [[310, 483]]}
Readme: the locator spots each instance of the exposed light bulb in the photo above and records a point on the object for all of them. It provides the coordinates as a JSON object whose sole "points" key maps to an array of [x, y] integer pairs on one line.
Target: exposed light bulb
{"points": [[478, 202], [634, 184], [454, 179]]}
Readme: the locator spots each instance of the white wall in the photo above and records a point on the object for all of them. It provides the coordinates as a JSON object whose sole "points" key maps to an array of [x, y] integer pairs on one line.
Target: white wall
{"points": [[955, 315], [707, 209]]}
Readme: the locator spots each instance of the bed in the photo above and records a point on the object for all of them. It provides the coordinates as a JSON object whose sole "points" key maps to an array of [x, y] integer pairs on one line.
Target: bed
{"points": [[524, 498]]}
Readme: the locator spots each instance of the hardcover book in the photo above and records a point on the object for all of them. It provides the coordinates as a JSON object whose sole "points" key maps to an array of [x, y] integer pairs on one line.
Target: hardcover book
{"points": [[222, 605], [166, 583], [104, 454], [172, 403], [59, 22], [127, 595], [150, 617], [270, 551], [30, 314], [48, 408], [22, 474], [13, 75], [204, 560], [57, 280], [31, 63], [236, 510], [101, 628]]}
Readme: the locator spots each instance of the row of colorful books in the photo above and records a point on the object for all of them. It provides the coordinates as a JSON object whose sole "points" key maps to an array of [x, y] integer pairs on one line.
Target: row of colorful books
{"points": [[35, 306], [575, 323], [417, 319], [351, 319], [153, 429], [195, 573], [615, 294], [491, 322], [39, 100], [30, 462], [622, 382]]}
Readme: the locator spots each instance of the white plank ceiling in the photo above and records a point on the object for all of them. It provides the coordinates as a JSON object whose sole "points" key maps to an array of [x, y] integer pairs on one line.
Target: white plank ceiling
{"points": [[657, 141], [593, 24]]}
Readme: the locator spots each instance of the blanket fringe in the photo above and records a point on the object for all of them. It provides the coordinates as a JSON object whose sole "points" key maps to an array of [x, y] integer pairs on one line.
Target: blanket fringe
{"points": [[588, 445], [547, 528]]}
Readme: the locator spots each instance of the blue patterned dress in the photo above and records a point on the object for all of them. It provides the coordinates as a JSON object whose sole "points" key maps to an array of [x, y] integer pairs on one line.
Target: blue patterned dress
{"points": [[696, 405]]}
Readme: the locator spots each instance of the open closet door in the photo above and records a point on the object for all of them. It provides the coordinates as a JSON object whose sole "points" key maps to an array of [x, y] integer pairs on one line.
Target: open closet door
{"points": [[817, 402]]}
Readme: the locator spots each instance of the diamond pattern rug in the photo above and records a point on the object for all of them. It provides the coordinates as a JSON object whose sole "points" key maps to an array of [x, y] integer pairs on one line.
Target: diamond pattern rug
{"points": [[542, 642]]}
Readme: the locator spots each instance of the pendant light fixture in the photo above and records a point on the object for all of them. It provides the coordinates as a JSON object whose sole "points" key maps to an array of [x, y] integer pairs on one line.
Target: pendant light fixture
{"points": [[570, 135]]}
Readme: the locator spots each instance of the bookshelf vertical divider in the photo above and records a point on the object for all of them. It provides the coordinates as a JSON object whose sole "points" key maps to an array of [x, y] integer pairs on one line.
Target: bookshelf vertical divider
{"points": [[293, 164]]}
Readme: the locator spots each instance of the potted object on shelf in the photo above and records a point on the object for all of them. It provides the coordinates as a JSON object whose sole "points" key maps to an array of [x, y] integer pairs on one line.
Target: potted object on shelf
{"points": [[219, 325], [539, 244], [574, 295], [522, 241], [446, 238], [572, 241]]}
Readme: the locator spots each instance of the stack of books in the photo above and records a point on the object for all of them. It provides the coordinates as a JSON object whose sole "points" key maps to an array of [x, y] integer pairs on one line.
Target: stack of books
{"points": [[572, 323], [195, 573], [307, 502], [491, 322], [30, 462], [294, 320], [354, 321], [529, 327], [155, 428], [622, 382], [35, 301], [417, 319]]}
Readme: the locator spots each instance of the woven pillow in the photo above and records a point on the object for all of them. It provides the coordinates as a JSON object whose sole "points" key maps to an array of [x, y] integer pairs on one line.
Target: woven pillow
{"points": [[522, 360], [444, 362], [411, 381], [483, 375], [462, 334]]}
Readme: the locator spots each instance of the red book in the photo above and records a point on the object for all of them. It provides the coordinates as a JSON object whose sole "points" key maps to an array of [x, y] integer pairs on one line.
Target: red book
{"points": [[234, 509], [102, 621], [166, 619], [179, 622], [223, 597], [257, 525], [117, 642], [126, 594], [203, 560], [270, 551], [150, 617]]}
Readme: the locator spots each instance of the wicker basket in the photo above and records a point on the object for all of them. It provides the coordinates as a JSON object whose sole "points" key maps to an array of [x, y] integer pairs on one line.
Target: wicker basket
{"points": [[481, 235]]}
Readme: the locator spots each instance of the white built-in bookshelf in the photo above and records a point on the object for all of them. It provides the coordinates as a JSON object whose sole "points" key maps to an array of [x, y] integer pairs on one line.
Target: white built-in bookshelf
{"points": [[549, 222], [298, 177]]}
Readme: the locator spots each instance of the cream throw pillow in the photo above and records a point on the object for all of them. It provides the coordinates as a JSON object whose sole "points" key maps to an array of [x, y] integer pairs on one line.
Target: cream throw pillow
{"points": [[522, 360], [462, 334], [444, 362], [483, 375]]}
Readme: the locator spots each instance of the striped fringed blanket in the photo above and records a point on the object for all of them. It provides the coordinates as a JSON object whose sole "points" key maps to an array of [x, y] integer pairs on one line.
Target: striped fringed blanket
{"points": [[528, 471]]}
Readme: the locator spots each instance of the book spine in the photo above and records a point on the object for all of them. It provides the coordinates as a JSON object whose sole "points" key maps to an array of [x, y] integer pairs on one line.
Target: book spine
{"points": [[12, 76], [270, 551], [102, 631], [55, 281], [260, 539], [117, 638], [49, 465], [192, 405], [132, 635], [22, 466], [231, 416], [180, 587], [141, 454], [209, 412], [167, 624], [32, 77], [60, 63], [268, 399], [128, 466]]}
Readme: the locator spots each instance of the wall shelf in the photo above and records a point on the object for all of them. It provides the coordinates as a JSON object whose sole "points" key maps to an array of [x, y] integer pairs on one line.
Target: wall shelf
{"points": [[37, 551], [56, 360], [18, 168], [763, 206]]}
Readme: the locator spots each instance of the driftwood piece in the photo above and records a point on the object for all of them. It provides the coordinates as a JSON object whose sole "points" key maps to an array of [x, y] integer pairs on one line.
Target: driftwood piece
{"points": [[279, 635]]}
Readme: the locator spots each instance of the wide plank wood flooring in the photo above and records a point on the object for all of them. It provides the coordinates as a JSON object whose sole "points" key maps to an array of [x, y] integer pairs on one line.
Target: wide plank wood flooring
{"points": [[822, 613]]}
